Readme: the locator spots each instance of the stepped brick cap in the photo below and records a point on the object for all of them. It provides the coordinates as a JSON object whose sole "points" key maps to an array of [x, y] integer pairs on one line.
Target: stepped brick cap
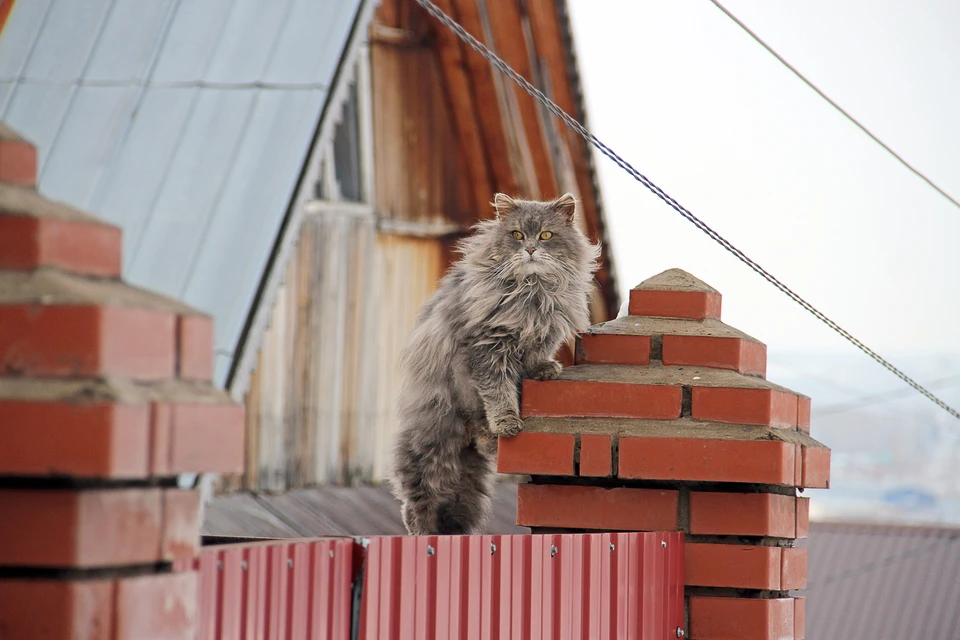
{"points": [[35, 232], [675, 294]]}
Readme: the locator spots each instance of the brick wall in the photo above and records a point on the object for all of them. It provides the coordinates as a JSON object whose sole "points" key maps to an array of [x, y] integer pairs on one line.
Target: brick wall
{"points": [[105, 397], [666, 422]]}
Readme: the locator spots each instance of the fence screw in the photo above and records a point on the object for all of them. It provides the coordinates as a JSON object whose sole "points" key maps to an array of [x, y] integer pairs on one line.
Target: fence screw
{"points": [[219, 565], [493, 548], [663, 543], [430, 550], [681, 632], [243, 565], [289, 562], [612, 546], [553, 550], [331, 553]]}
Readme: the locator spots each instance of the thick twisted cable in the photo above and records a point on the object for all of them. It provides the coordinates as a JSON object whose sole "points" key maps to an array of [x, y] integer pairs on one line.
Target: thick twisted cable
{"points": [[504, 68]]}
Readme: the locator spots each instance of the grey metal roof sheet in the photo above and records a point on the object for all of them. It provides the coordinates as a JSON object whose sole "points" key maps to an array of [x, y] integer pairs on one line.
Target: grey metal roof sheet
{"points": [[333, 511], [883, 582], [186, 122]]}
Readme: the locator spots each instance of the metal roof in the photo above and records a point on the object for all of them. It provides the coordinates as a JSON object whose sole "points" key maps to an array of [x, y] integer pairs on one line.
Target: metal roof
{"points": [[187, 123], [883, 582], [332, 511]]}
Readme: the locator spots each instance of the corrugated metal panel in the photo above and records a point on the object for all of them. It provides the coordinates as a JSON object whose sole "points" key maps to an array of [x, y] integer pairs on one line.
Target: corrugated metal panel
{"points": [[187, 123], [276, 590], [614, 585], [619, 586]]}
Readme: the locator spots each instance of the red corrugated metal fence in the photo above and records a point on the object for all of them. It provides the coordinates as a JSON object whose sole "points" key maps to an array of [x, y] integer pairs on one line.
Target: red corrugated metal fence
{"points": [[282, 590], [611, 585]]}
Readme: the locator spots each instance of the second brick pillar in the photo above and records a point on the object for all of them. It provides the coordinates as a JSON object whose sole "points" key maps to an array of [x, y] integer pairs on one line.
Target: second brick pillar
{"points": [[667, 423]]}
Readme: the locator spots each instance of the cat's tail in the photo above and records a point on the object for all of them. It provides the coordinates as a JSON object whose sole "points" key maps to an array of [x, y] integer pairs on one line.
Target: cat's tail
{"points": [[426, 466]]}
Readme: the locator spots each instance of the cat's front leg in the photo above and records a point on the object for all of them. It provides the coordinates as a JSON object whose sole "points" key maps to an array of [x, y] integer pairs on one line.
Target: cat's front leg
{"points": [[496, 373], [539, 364], [548, 370]]}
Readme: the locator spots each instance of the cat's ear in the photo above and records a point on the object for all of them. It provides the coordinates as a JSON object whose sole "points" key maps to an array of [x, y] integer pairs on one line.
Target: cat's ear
{"points": [[503, 204], [565, 205]]}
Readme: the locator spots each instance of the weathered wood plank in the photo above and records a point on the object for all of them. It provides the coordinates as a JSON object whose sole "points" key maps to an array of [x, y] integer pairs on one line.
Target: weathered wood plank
{"points": [[503, 163], [419, 166], [514, 43], [550, 42]]}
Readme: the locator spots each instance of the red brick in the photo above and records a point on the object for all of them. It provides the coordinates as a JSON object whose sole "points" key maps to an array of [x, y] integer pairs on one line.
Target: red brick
{"points": [[596, 455], [64, 528], [548, 454], [161, 607], [56, 609], [86, 341], [81, 440], [579, 507], [564, 356], [18, 162], [201, 437], [88, 248], [798, 468], [195, 348], [566, 398], [727, 565], [803, 413], [743, 514], [736, 354], [816, 467], [695, 305], [704, 459], [799, 618], [161, 419], [803, 517], [745, 406], [181, 524], [613, 349], [793, 569], [741, 618]]}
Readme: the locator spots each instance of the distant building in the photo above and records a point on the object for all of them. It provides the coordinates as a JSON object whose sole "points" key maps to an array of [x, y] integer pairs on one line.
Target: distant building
{"points": [[300, 173]]}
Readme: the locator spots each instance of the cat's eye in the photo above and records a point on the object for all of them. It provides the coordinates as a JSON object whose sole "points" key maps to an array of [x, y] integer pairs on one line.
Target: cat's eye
{"points": [[518, 235], [546, 235]]}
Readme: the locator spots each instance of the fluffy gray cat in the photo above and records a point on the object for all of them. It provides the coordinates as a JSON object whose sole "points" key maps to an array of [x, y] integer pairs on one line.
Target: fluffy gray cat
{"points": [[500, 314]]}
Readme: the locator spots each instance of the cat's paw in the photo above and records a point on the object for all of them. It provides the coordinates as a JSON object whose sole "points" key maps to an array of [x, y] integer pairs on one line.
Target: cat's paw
{"points": [[506, 426], [549, 370]]}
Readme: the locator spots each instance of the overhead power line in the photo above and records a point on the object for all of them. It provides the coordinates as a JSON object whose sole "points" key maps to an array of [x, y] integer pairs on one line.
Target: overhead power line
{"points": [[538, 95], [833, 104], [881, 398]]}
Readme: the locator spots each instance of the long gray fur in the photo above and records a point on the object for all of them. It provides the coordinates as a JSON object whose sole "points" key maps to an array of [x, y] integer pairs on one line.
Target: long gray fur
{"points": [[500, 314]]}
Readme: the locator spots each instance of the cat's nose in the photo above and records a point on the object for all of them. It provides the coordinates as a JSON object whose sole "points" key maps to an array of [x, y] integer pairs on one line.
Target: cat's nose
{"points": [[530, 250]]}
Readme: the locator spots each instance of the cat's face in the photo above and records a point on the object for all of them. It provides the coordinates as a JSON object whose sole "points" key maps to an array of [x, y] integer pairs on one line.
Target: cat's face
{"points": [[537, 237]]}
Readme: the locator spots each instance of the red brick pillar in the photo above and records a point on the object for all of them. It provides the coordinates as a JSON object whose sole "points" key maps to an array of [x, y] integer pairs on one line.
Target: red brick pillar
{"points": [[105, 397], [668, 423]]}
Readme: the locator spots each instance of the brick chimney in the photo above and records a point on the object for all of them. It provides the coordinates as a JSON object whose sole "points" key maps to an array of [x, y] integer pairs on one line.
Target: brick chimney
{"points": [[667, 423], [105, 397]]}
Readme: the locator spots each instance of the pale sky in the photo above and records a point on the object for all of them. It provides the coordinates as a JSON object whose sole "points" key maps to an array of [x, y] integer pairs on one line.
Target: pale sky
{"points": [[681, 92]]}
